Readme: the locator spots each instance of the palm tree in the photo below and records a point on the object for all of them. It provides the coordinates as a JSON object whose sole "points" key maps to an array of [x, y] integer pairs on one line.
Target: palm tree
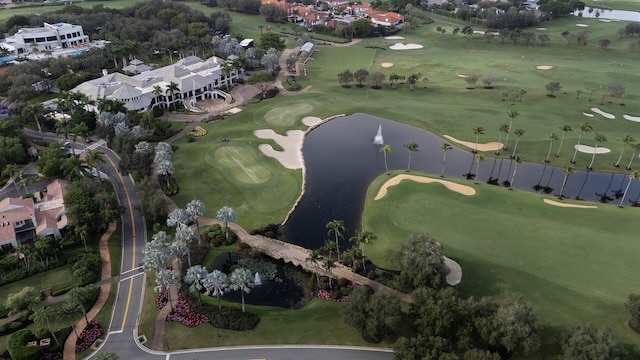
{"points": [[94, 159], [226, 69], [329, 247], [445, 147], [226, 215], [166, 278], [626, 141], [195, 276], [328, 264], [504, 128], [83, 232], [195, 209], [107, 355], [565, 129], [315, 257], [584, 127], [568, 170], [635, 174], [386, 149], [69, 311], [362, 238], [636, 148], [43, 316], [477, 131], [479, 159], [171, 90], [337, 228], [518, 133], [34, 112], [82, 130], [242, 280], [216, 283], [518, 160], [599, 138], [352, 257], [63, 125], [411, 147], [79, 296], [157, 92], [512, 114], [552, 137], [72, 168]]}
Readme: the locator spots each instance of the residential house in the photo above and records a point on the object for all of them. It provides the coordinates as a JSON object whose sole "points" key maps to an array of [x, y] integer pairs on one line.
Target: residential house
{"points": [[49, 37]]}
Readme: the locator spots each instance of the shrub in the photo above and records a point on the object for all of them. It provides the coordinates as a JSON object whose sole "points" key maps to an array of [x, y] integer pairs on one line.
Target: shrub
{"points": [[17, 346], [342, 282], [11, 327], [42, 333], [371, 274], [233, 319]]}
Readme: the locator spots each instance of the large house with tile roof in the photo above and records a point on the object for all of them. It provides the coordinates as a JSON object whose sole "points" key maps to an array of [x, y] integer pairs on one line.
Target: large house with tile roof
{"points": [[21, 220], [197, 79]]}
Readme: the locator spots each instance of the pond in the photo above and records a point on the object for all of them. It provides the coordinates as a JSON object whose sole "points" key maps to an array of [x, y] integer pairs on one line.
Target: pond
{"points": [[341, 161], [596, 13]]}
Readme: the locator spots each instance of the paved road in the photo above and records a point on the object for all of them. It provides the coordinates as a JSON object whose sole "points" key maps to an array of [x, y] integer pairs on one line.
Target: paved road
{"points": [[122, 334]]}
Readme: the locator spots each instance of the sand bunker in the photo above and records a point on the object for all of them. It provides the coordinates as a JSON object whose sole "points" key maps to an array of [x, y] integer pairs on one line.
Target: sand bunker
{"points": [[582, 25], [455, 271], [386, 65], [311, 121], [234, 110], [544, 67], [541, 28], [462, 76], [559, 204], [587, 114], [590, 150], [401, 46], [291, 155], [605, 114], [394, 38], [631, 118], [462, 189], [490, 146]]}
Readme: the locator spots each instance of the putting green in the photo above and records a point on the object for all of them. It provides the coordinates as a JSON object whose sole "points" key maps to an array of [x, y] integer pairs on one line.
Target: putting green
{"points": [[287, 115], [241, 162]]}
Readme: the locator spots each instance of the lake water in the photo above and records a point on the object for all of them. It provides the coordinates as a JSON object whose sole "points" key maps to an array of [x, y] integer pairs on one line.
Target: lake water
{"points": [[610, 14], [341, 162]]}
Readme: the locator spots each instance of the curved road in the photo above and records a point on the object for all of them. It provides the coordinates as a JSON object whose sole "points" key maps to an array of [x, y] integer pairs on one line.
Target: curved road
{"points": [[122, 337]]}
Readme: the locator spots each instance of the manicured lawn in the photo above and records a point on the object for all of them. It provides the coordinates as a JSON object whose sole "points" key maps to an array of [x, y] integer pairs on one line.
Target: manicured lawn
{"points": [[58, 278], [573, 265]]}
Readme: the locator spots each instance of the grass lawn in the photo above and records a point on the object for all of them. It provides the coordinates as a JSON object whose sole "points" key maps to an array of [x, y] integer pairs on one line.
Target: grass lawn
{"points": [[573, 265], [58, 278]]}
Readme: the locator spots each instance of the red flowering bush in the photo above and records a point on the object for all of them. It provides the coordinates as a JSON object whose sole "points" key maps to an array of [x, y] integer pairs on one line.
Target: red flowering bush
{"points": [[88, 336], [324, 295], [162, 299], [183, 313]]}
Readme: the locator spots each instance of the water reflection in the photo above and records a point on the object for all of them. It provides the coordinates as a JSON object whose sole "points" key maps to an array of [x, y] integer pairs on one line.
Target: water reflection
{"points": [[341, 162]]}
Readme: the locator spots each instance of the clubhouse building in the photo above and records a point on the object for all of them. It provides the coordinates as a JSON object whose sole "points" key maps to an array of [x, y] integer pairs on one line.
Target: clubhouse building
{"points": [[48, 38], [185, 82]]}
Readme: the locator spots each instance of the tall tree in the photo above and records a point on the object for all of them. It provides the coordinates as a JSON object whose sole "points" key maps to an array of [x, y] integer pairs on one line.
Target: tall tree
{"points": [[565, 129], [411, 147], [195, 209], [386, 149], [315, 257], [636, 148], [518, 133], [94, 159], [337, 229], [628, 140], [586, 342], [504, 128], [421, 263], [72, 168], [584, 128], [43, 316], [568, 170], [512, 114], [552, 137], [241, 280], [262, 81], [217, 284], [196, 276], [34, 112], [80, 296], [517, 160], [599, 138], [328, 264], [635, 174], [166, 278], [477, 131], [445, 147], [362, 238], [69, 311], [226, 215]]}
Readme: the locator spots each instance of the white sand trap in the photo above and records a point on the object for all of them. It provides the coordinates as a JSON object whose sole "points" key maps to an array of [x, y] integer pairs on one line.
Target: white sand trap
{"points": [[394, 38], [491, 146], [478, 32], [291, 156], [631, 118], [401, 46], [386, 65], [605, 20], [587, 114], [582, 25], [605, 114], [559, 204], [462, 76], [455, 271], [311, 121], [590, 149], [234, 110], [541, 29], [459, 188], [544, 67]]}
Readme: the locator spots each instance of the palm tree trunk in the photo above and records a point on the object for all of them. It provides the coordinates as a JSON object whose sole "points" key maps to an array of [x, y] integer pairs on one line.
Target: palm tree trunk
{"points": [[617, 164], [499, 139], [515, 147], [477, 170], [242, 293], [560, 146], [630, 160], [625, 192], [53, 334], [506, 140], [409, 164], [593, 157], [573, 161], [385, 162], [549, 152]]}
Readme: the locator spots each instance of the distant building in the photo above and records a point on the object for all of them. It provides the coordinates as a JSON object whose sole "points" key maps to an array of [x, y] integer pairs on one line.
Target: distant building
{"points": [[21, 220], [50, 37], [196, 79], [136, 67]]}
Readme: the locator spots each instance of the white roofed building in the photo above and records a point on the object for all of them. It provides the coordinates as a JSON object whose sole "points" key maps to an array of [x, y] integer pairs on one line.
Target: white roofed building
{"points": [[49, 37]]}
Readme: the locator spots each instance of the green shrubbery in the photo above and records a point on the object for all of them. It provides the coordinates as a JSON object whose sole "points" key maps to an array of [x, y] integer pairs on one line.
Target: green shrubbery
{"points": [[18, 349], [19, 323], [216, 236], [232, 319]]}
